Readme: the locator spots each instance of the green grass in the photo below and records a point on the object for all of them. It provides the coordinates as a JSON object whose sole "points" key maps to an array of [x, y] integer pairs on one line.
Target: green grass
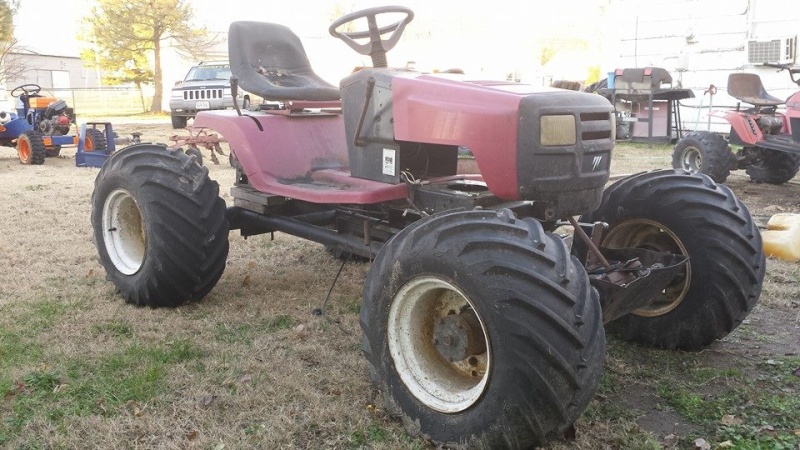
{"points": [[372, 434], [113, 328], [762, 399], [19, 344], [244, 333], [77, 386]]}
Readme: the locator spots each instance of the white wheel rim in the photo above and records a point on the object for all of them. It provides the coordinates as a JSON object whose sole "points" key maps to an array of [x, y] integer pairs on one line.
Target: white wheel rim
{"points": [[123, 232], [442, 385], [692, 160]]}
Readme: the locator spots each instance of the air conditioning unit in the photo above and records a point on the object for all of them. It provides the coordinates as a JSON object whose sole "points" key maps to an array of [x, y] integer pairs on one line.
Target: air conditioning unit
{"points": [[779, 50]]}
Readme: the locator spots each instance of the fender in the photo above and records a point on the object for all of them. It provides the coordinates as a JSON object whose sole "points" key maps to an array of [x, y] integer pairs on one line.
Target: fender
{"points": [[793, 106], [743, 126]]}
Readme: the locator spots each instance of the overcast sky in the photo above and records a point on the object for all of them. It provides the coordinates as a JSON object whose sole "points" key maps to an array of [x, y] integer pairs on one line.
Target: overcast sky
{"points": [[444, 34]]}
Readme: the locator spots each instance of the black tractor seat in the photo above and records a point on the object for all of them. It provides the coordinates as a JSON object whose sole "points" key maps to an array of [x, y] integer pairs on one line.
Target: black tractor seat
{"points": [[747, 87], [269, 61]]}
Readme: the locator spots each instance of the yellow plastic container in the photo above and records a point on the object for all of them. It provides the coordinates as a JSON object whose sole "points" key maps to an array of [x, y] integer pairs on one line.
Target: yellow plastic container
{"points": [[782, 237]]}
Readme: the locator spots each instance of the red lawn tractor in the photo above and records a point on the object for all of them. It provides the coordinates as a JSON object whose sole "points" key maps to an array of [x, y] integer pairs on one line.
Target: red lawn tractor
{"points": [[769, 140], [482, 326], [41, 126]]}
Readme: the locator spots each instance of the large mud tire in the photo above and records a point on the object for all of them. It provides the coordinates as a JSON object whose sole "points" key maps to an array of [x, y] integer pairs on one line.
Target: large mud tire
{"points": [[672, 210], [30, 148], [706, 153], [159, 226], [775, 167], [538, 318]]}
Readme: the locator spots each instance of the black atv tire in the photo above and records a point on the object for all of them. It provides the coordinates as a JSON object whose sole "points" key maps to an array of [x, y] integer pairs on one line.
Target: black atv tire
{"points": [[52, 152], [194, 151], [775, 167], [674, 211], [704, 152], [30, 148], [95, 141], [179, 121], [536, 314], [159, 226]]}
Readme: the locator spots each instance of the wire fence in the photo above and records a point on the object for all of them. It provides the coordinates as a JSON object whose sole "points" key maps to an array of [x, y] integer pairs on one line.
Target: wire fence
{"points": [[114, 101], [106, 100]]}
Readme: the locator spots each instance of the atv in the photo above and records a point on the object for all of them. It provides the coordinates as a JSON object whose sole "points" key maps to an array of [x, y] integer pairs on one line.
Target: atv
{"points": [[482, 327], [41, 125], [769, 140]]}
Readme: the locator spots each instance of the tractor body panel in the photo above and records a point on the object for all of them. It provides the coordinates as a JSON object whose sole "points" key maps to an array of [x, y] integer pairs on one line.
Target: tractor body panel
{"points": [[445, 111], [297, 156], [537, 144], [745, 126], [532, 144], [13, 128], [793, 113]]}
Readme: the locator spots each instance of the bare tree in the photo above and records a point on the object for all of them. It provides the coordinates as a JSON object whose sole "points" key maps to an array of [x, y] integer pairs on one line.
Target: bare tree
{"points": [[12, 64]]}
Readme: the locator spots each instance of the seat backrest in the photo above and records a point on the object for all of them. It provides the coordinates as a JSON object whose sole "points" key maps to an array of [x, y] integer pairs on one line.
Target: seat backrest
{"points": [[269, 60], [747, 87]]}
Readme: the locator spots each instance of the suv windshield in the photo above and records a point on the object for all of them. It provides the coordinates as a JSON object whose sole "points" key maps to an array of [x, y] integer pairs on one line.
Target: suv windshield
{"points": [[209, 72]]}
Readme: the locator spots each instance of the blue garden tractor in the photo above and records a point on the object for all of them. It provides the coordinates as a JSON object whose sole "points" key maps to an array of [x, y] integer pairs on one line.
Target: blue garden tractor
{"points": [[41, 126]]}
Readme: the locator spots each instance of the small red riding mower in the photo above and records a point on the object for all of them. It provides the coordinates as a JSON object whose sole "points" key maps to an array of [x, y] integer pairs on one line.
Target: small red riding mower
{"points": [[482, 327], [41, 127], [769, 140]]}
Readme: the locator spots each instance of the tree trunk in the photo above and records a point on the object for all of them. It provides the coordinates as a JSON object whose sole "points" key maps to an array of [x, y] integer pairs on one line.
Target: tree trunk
{"points": [[156, 105]]}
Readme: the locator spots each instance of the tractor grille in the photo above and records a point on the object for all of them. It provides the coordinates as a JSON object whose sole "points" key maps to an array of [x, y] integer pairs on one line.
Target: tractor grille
{"points": [[595, 125], [202, 94]]}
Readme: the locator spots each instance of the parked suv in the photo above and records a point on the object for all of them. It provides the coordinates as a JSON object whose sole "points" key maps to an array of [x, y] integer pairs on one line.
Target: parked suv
{"points": [[206, 86]]}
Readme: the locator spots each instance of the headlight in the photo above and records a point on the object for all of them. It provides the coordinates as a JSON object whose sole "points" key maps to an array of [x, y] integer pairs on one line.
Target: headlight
{"points": [[176, 94], [557, 130], [226, 92]]}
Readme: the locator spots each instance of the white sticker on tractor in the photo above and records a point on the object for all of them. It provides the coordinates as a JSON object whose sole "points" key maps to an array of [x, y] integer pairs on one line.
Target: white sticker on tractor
{"points": [[389, 162]]}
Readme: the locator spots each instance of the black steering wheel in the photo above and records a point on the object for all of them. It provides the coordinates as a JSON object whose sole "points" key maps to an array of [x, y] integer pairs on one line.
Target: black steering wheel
{"points": [[376, 47], [30, 89]]}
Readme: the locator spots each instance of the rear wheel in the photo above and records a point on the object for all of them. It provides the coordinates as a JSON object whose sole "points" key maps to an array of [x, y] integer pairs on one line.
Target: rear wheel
{"points": [[52, 152], [672, 211], [481, 330], [774, 167], [159, 226], [706, 153], [30, 148], [95, 141], [179, 121]]}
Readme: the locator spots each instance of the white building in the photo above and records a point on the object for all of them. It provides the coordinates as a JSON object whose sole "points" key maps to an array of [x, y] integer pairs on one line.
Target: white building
{"points": [[700, 42]]}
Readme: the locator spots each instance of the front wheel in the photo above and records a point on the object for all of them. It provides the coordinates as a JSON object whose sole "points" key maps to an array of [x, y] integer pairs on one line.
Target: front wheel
{"points": [[31, 148], [706, 153], [774, 167], [179, 121], [159, 226], [676, 212], [482, 331]]}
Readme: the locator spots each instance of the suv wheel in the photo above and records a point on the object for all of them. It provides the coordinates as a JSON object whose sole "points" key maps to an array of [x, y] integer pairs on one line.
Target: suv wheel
{"points": [[179, 121]]}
